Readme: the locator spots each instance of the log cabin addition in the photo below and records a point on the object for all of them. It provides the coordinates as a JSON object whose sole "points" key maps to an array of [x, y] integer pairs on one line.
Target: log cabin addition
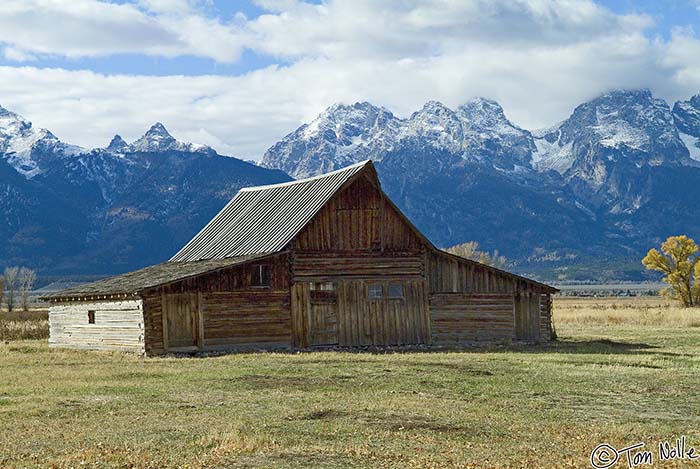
{"points": [[318, 262]]}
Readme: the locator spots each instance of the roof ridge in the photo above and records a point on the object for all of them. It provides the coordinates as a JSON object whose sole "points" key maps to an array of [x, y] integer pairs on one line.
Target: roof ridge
{"points": [[299, 181]]}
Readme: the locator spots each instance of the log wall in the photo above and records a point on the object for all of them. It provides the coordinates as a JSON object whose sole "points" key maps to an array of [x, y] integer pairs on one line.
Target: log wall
{"points": [[471, 317], [119, 325], [253, 318], [306, 266], [483, 303], [546, 317]]}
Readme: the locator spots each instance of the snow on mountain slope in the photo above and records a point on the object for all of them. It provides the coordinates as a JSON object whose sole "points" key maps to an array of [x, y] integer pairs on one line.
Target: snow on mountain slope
{"points": [[693, 145], [339, 136], [25, 148], [550, 153], [687, 117], [158, 139], [109, 209], [622, 127], [345, 134]]}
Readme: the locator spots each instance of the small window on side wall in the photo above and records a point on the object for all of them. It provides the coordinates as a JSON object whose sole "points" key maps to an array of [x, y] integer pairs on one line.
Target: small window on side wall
{"points": [[91, 317], [375, 291], [260, 276], [395, 290]]}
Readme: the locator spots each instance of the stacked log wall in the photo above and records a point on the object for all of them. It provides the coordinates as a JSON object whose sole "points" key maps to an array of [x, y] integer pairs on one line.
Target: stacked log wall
{"points": [[119, 325]]}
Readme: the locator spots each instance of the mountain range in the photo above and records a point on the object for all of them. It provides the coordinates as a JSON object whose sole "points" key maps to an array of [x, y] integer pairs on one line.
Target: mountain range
{"points": [[583, 199], [69, 210]]}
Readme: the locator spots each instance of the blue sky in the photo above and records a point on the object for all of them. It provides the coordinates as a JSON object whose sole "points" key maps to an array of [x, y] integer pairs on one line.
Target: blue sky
{"points": [[666, 15], [239, 75]]}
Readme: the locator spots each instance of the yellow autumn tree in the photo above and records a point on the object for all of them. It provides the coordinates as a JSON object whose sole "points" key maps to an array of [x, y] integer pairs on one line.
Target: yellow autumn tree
{"points": [[679, 261], [471, 251]]}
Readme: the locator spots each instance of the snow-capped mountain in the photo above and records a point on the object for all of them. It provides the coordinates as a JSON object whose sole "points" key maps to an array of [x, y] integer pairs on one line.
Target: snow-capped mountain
{"points": [[617, 176], [111, 209], [630, 128], [158, 139], [687, 117], [27, 149], [346, 134], [339, 136]]}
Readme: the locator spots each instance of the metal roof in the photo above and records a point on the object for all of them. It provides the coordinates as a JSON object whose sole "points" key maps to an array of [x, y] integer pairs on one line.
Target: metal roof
{"points": [[265, 219], [153, 276]]}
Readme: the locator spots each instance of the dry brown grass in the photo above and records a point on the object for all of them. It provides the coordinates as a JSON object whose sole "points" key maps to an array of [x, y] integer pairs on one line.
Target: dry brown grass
{"points": [[636, 311], [24, 325]]}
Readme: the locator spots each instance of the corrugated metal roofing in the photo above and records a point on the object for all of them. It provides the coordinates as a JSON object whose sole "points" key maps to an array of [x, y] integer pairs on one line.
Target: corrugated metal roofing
{"points": [[264, 219], [153, 276]]}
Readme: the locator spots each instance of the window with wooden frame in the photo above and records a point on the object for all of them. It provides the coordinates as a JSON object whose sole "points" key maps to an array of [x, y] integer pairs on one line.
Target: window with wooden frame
{"points": [[322, 286], [260, 275], [375, 291], [395, 291], [91, 317]]}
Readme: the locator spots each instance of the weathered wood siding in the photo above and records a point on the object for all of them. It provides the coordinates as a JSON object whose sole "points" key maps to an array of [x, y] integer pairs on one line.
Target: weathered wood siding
{"points": [[346, 316], [470, 317], [231, 311], [386, 321], [359, 218], [358, 239], [545, 317], [446, 274], [247, 318], [119, 325], [483, 303], [325, 266]]}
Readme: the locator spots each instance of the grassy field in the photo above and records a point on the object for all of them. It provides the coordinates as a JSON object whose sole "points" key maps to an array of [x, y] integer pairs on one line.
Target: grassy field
{"points": [[612, 377]]}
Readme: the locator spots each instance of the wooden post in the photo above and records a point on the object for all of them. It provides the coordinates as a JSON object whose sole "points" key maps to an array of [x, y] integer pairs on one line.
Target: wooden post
{"points": [[200, 321], [164, 317]]}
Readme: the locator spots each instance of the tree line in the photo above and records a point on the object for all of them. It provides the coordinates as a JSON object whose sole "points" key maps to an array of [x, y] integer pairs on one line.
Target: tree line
{"points": [[15, 285]]}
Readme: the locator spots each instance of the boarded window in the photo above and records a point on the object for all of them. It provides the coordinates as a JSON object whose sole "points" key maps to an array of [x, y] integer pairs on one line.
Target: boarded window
{"points": [[322, 286], [395, 290], [260, 276], [91, 317], [375, 290]]}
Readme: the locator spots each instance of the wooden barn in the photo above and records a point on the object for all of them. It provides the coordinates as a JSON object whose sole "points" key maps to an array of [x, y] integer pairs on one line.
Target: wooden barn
{"points": [[324, 261]]}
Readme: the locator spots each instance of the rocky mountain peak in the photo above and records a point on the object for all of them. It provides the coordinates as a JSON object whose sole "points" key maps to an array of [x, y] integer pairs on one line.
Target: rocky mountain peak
{"points": [[437, 123], [481, 106], [12, 123], [117, 143], [687, 116], [157, 138], [621, 128]]}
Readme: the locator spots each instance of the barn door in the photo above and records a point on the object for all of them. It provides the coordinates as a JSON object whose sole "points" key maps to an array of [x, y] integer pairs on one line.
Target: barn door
{"points": [[180, 313], [323, 317], [527, 316]]}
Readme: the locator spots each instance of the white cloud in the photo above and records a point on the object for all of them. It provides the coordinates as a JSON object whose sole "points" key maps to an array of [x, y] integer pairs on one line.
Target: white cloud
{"points": [[538, 58], [89, 28]]}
